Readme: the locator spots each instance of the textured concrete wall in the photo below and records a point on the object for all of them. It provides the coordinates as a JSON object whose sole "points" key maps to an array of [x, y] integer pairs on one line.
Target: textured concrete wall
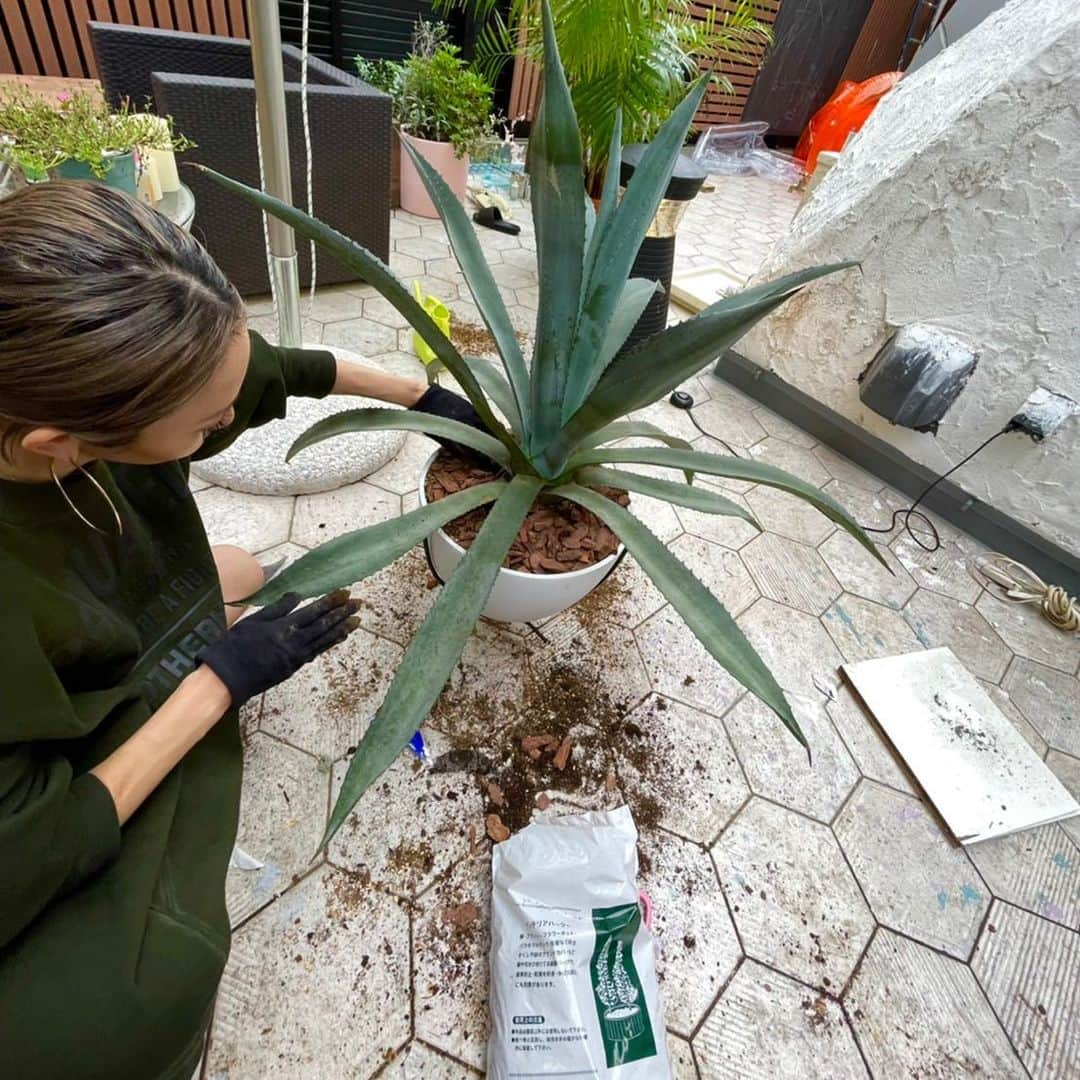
{"points": [[961, 199]]}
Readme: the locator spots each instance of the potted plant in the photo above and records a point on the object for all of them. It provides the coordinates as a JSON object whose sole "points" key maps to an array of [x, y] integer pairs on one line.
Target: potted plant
{"points": [[441, 106], [80, 138], [619, 57], [564, 416]]}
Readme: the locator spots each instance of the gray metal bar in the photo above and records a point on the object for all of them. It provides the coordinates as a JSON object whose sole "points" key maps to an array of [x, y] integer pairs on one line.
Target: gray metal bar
{"points": [[274, 147]]}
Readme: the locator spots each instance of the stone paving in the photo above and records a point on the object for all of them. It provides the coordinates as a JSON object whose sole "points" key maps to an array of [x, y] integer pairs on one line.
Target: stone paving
{"points": [[813, 921]]}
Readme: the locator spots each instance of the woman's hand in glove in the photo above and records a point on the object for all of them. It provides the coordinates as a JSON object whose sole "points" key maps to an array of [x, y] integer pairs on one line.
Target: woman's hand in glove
{"points": [[438, 401], [268, 647]]}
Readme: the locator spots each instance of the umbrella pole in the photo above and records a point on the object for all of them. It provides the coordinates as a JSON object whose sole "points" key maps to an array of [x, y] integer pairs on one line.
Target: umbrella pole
{"points": [[274, 148]]}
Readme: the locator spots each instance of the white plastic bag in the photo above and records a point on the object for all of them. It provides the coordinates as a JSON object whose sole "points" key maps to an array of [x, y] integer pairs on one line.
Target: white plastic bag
{"points": [[573, 967]]}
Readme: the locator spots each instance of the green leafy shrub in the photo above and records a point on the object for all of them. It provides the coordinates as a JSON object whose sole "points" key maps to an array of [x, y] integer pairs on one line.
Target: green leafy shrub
{"points": [[436, 95], [37, 136], [564, 431]]}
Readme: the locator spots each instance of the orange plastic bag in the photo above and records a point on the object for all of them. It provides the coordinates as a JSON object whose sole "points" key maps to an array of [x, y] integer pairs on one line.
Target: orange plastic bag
{"points": [[846, 111]]}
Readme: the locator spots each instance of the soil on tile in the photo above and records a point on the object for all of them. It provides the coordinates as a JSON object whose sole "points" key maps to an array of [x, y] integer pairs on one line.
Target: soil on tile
{"points": [[346, 893], [415, 857], [472, 340], [556, 537], [561, 717]]}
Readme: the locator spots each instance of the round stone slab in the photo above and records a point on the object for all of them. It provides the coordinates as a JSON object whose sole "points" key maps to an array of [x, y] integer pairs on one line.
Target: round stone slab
{"points": [[255, 463]]}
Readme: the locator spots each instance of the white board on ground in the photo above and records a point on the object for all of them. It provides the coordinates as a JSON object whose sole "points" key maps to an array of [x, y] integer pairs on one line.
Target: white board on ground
{"points": [[975, 767]]}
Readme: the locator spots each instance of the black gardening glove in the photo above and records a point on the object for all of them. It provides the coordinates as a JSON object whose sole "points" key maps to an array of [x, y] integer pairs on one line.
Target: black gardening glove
{"points": [[437, 401], [266, 648]]}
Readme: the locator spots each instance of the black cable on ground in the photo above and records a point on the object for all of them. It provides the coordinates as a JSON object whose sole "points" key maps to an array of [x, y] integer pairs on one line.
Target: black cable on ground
{"points": [[682, 400]]}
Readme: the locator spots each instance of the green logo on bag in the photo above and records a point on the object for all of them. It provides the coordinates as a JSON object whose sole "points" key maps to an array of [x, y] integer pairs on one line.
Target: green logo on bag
{"points": [[620, 1003]]}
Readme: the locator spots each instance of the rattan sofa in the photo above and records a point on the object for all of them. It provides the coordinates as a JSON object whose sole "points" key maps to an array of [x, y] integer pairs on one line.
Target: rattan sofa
{"points": [[205, 84]]}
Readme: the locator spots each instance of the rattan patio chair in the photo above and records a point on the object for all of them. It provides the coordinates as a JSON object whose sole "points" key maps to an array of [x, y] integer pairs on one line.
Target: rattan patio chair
{"points": [[205, 84]]}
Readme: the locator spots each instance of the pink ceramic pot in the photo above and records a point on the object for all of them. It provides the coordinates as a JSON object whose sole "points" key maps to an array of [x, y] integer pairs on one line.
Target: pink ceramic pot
{"points": [[440, 155]]}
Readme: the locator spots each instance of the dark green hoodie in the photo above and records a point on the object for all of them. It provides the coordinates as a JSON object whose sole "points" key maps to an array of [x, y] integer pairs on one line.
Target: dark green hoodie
{"points": [[112, 941]]}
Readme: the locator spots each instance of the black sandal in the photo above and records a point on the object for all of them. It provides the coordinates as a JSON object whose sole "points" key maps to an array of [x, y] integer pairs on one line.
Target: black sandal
{"points": [[491, 218]]}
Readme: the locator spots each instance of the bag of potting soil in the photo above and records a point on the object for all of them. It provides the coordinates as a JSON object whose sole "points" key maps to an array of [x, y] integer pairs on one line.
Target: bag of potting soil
{"points": [[573, 967]]}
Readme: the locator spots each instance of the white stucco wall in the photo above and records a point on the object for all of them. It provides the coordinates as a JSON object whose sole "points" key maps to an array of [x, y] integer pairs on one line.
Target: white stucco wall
{"points": [[961, 199]]}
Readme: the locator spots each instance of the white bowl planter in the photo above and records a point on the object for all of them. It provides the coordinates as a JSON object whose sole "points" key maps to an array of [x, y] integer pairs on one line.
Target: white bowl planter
{"points": [[517, 596]]}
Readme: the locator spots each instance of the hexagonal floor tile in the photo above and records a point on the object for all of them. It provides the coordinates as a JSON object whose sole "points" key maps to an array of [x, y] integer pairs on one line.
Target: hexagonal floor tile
{"points": [[282, 817], [1028, 634], [864, 630], [657, 515], [1067, 770], [1018, 720], [396, 600], [319, 518], [419, 1062], [776, 425], [794, 901], [1049, 699], [423, 247], [402, 473], [776, 765], [450, 958], [680, 762], [944, 570], [793, 644], [379, 309], [868, 745], [1030, 970], [859, 573], [914, 878], [682, 1058], [699, 949], [334, 303], [719, 570], [325, 707], [680, 668], [789, 516], [627, 597], [939, 620], [1037, 869], [251, 522], [727, 530], [411, 825], [790, 573], [320, 977], [603, 654], [485, 686], [733, 422], [918, 1013], [793, 459], [844, 469], [766, 1026], [870, 509], [365, 336]]}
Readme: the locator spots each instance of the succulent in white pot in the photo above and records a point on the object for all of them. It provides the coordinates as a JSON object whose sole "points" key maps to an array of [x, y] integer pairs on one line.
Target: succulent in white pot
{"points": [[564, 414]]}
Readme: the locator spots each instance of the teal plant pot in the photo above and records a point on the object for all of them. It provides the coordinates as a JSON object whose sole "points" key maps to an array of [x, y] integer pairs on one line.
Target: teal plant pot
{"points": [[121, 173]]}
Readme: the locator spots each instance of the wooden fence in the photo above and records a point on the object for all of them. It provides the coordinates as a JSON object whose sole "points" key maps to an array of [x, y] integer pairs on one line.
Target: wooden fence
{"points": [[49, 37]]}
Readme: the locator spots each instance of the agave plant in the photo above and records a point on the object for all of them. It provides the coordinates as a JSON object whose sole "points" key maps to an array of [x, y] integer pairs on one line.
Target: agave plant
{"points": [[562, 414]]}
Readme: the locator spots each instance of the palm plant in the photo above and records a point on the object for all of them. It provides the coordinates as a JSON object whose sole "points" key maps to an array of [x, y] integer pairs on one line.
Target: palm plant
{"points": [[562, 415], [633, 56]]}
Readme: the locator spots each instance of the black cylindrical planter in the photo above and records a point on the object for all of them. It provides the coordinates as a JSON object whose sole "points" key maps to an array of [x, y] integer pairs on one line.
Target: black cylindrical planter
{"points": [[656, 257]]}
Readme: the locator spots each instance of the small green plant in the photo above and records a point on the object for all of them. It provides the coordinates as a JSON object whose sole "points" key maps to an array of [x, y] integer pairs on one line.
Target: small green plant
{"points": [[565, 429], [37, 136], [436, 95]]}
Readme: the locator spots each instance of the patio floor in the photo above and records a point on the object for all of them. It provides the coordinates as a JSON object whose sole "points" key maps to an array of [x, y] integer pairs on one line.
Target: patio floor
{"points": [[813, 922]]}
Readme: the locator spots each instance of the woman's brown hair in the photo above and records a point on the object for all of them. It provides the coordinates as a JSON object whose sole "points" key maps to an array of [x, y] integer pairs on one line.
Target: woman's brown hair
{"points": [[111, 316]]}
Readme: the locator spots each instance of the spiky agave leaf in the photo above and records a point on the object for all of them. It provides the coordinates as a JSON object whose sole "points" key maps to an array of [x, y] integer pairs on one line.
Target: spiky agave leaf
{"points": [[433, 652]]}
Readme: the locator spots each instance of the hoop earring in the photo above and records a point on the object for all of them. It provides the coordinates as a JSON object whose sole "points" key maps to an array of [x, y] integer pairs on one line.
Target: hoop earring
{"points": [[101, 491]]}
